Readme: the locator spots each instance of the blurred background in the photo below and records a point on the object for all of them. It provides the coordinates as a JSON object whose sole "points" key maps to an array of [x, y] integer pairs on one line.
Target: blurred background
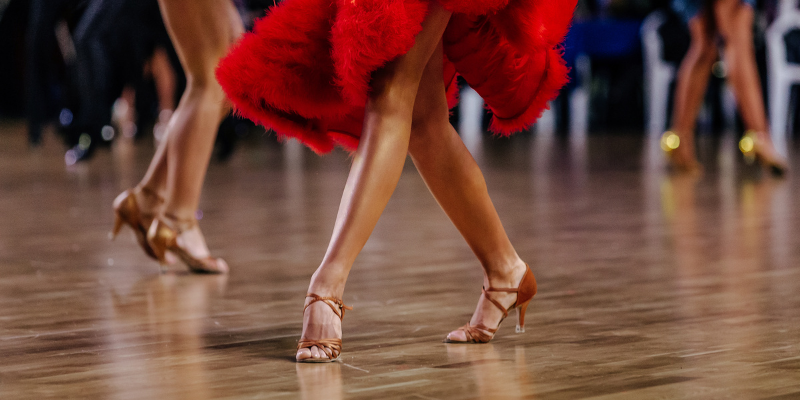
{"points": [[90, 71]]}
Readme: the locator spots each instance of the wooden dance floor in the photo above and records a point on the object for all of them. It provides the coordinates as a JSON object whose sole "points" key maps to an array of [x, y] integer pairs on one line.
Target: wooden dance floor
{"points": [[650, 285]]}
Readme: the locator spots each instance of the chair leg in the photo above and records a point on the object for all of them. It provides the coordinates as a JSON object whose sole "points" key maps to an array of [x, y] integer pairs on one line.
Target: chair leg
{"points": [[779, 92]]}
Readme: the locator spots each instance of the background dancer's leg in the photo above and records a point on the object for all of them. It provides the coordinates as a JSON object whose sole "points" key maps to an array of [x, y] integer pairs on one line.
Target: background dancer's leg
{"points": [[201, 32], [735, 24], [690, 88]]}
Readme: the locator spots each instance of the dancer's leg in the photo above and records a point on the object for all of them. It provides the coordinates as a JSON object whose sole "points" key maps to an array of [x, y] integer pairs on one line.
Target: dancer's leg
{"points": [[458, 185], [201, 32], [690, 88], [735, 22], [165, 82], [376, 169]]}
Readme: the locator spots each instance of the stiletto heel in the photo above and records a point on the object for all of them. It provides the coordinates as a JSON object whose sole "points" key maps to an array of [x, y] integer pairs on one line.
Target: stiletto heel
{"points": [[117, 227], [126, 211], [521, 316], [525, 291], [162, 238], [331, 347]]}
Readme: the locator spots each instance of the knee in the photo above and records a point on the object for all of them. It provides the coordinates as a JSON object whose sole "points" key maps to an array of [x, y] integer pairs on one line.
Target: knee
{"points": [[202, 81], [703, 49], [427, 125]]}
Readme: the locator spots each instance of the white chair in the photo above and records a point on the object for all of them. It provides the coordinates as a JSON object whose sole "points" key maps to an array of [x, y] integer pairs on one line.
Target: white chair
{"points": [[658, 74], [781, 75]]}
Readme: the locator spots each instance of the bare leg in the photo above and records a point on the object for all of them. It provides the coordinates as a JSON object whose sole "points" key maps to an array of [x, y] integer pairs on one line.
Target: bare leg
{"points": [[735, 22], [164, 77], [691, 87], [376, 169], [201, 31], [458, 185]]}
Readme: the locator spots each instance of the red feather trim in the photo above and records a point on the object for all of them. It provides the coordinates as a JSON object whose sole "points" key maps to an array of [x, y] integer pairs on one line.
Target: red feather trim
{"points": [[555, 77], [369, 33], [306, 68], [475, 7], [534, 25]]}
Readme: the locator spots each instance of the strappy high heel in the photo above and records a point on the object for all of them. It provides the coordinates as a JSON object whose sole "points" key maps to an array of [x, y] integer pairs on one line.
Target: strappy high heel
{"points": [[755, 149], [162, 238], [331, 347], [670, 143], [127, 211], [525, 292]]}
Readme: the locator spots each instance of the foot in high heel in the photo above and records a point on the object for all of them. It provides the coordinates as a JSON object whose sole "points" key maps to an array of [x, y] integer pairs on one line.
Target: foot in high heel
{"points": [[680, 155], [758, 147], [129, 211], [478, 332], [328, 327], [184, 239]]}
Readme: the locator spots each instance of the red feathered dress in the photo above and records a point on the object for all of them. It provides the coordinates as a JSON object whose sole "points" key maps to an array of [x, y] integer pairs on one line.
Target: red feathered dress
{"points": [[305, 69]]}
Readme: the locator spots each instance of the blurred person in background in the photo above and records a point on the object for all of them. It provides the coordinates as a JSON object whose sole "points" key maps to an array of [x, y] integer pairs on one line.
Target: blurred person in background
{"points": [[43, 18], [105, 45], [161, 209], [94, 38], [732, 22]]}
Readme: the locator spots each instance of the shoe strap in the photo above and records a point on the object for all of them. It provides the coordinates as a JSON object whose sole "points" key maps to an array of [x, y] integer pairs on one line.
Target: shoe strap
{"points": [[150, 193], [331, 347], [332, 302], [177, 224], [497, 304], [477, 333]]}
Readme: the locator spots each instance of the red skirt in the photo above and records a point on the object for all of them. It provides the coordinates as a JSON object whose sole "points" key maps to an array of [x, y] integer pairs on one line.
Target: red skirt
{"points": [[305, 69]]}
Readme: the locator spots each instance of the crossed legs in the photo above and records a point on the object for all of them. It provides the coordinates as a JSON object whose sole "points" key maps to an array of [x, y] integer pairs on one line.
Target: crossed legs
{"points": [[201, 31], [407, 112]]}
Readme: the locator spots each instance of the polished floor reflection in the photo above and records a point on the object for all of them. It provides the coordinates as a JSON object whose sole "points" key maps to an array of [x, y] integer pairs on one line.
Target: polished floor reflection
{"points": [[650, 285]]}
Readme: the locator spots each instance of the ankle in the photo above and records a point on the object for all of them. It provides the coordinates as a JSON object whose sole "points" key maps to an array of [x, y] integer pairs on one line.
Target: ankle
{"points": [[504, 274], [328, 281], [147, 198], [149, 194], [181, 221]]}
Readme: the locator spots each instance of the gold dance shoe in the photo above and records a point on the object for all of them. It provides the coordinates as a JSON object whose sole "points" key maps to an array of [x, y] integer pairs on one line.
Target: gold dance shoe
{"points": [[127, 212], [162, 238], [756, 149], [678, 159]]}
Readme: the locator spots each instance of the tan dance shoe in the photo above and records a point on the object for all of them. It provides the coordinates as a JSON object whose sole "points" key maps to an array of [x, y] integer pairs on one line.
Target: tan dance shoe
{"points": [[482, 334], [127, 211], [331, 347]]}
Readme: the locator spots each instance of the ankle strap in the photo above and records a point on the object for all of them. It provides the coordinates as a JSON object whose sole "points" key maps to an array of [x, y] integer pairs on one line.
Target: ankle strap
{"points": [[338, 302], [495, 302], [150, 193], [180, 225]]}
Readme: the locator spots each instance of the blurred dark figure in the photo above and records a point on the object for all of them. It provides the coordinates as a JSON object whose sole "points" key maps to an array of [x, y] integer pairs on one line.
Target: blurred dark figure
{"points": [[731, 21], [106, 45], [94, 37], [43, 17]]}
